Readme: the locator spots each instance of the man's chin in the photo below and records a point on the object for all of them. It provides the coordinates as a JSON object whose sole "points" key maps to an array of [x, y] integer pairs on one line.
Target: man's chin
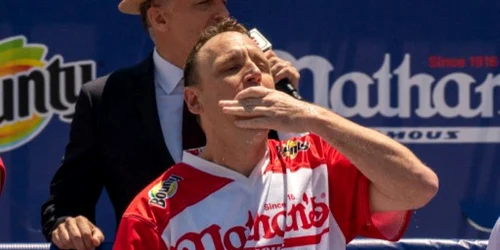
{"points": [[251, 130], [255, 131]]}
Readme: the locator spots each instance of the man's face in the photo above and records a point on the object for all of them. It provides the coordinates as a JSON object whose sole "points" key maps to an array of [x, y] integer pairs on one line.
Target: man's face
{"points": [[227, 64], [186, 19]]}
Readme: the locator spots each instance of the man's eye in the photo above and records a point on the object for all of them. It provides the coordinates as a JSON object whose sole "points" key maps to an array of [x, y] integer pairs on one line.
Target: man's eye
{"points": [[232, 68], [204, 2]]}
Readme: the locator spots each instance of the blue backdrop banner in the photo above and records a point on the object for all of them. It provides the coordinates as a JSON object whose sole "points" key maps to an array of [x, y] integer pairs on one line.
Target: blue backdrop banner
{"points": [[425, 73]]}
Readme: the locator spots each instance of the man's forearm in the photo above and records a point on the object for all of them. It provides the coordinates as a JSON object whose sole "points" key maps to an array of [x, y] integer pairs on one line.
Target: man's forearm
{"points": [[394, 170], [49, 223]]}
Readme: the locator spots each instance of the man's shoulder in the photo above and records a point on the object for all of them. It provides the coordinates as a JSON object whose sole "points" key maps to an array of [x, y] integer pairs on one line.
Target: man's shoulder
{"points": [[178, 188], [153, 204], [167, 195], [96, 86], [121, 77]]}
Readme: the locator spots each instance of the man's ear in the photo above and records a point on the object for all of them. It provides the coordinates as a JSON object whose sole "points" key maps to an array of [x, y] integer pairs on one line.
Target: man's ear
{"points": [[191, 97], [157, 17]]}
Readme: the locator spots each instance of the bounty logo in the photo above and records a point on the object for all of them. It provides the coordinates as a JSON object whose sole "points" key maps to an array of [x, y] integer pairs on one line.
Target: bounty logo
{"points": [[33, 89], [163, 191]]}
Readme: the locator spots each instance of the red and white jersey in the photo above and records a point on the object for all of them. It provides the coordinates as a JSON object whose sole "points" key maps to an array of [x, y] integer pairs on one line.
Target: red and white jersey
{"points": [[303, 194], [2, 175]]}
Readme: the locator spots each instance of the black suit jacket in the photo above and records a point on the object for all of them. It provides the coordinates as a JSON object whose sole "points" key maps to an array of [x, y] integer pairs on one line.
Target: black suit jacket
{"points": [[115, 142]]}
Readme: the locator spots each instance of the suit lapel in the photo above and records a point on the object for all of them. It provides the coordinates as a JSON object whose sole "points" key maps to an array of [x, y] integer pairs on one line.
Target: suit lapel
{"points": [[146, 102]]}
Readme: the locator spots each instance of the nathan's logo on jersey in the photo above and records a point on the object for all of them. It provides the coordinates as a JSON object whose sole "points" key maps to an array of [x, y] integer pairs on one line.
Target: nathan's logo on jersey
{"points": [[34, 88], [292, 148], [305, 219], [163, 191]]}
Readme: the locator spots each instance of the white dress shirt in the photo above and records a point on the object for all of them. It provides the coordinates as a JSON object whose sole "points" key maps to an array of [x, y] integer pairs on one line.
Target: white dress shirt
{"points": [[170, 103]]}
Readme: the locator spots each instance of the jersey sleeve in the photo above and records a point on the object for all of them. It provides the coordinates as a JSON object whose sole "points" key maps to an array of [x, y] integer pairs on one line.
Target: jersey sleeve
{"points": [[350, 200], [145, 219], [2, 175], [136, 233]]}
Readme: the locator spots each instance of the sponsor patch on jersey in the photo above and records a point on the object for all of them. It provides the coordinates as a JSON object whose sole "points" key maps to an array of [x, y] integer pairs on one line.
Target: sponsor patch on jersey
{"points": [[293, 147], [163, 191]]}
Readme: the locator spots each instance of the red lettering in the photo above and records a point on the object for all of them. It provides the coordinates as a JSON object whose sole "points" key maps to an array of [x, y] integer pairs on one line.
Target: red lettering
{"points": [[271, 206], [302, 217], [491, 61], [195, 238], [276, 225], [264, 220], [297, 211], [279, 205], [319, 213], [443, 62], [269, 248], [476, 61], [240, 232], [272, 247]]}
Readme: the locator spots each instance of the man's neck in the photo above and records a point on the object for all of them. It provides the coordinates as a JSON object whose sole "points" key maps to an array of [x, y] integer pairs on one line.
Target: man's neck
{"points": [[171, 55], [237, 154]]}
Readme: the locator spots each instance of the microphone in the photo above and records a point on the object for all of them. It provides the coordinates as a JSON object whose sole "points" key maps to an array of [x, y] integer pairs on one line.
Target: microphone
{"points": [[264, 44]]}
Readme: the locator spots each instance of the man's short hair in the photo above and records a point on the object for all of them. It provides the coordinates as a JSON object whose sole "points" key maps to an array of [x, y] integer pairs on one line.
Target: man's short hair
{"points": [[225, 25], [143, 10]]}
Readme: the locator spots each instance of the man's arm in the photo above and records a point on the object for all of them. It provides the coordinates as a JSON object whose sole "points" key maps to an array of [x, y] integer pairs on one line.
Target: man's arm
{"points": [[399, 181], [136, 233], [77, 185]]}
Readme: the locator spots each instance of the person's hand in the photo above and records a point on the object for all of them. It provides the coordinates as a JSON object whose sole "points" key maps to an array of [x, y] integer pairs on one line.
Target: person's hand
{"points": [[264, 108], [281, 69], [77, 233]]}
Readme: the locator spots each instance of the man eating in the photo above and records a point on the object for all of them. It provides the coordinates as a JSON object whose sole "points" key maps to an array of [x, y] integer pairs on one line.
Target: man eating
{"points": [[319, 191]]}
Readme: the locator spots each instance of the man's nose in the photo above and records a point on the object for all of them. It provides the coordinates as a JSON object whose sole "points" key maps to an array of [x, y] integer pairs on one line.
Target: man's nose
{"points": [[221, 12], [253, 76]]}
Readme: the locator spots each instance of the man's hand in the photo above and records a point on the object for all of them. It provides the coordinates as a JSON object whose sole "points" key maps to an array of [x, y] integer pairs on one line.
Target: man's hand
{"points": [[77, 233], [264, 108], [281, 69]]}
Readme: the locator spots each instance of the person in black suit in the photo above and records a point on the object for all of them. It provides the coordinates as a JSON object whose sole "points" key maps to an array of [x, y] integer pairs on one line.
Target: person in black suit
{"points": [[131, 125]]}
